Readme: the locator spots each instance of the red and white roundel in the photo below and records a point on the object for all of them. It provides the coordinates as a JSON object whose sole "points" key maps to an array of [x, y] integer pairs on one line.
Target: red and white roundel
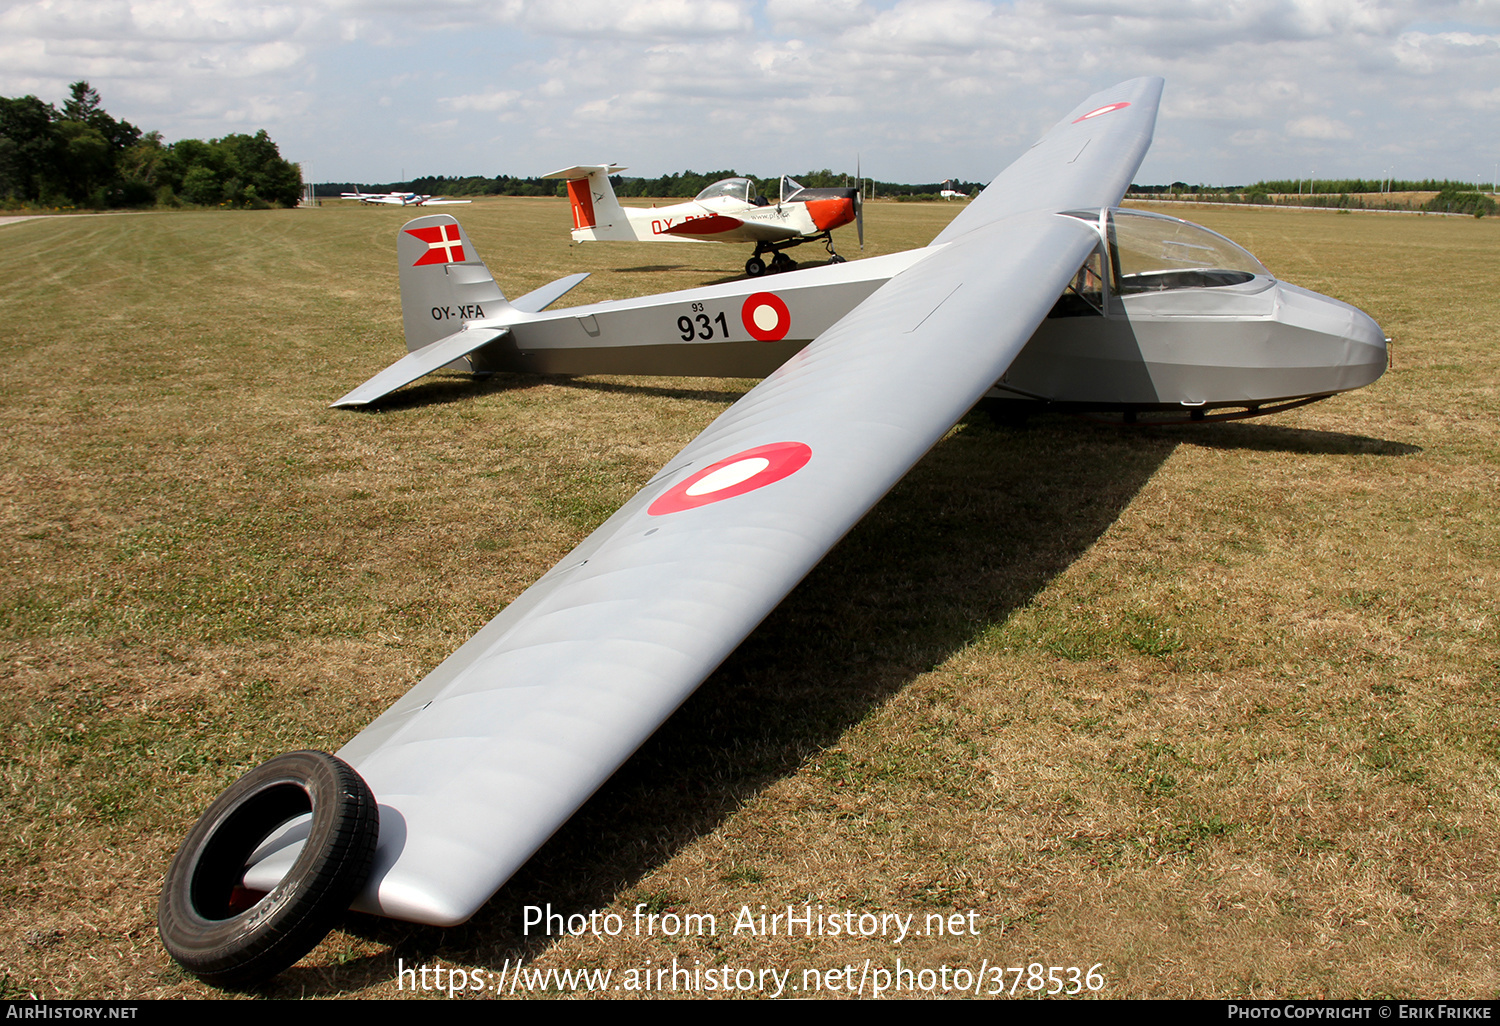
{"points": [[1101, 110], [766, 317], [735, 475]]}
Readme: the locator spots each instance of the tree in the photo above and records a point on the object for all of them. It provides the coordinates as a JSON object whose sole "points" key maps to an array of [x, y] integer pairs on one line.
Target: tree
{"points": [[28, 147], [83, 155], [84, 106]]}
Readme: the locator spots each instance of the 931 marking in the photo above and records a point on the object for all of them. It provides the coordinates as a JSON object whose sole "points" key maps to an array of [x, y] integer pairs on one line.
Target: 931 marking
{"points": [[701, 326]]}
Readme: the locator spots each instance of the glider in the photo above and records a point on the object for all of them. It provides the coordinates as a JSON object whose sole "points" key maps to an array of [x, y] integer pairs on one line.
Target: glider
{"points": [[726, 211], [401, 199], [1040, 290]]}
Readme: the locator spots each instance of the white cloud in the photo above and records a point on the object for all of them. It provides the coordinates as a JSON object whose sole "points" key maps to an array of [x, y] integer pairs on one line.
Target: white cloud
{"points": [[1316, 126], [923, 88], [815, 17], [497, 100]]}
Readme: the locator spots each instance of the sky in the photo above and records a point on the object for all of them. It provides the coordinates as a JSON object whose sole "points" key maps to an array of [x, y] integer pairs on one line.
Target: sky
{"points": [[914, 90]]}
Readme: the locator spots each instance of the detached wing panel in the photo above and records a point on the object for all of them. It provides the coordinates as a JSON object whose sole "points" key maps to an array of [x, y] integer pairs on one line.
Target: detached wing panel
{"points": [[480, 763]]}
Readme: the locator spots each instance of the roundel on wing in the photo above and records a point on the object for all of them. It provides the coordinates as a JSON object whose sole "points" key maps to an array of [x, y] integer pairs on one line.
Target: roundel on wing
{"points": [[734, 475], [1101, 110], [766, 317]]}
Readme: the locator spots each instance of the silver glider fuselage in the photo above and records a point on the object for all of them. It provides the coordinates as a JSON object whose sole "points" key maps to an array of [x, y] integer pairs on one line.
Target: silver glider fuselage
{"points": [[1193, 340]]}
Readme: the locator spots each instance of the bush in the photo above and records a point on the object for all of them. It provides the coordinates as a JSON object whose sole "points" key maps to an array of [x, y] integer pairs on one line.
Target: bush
{"points": [[1456, 201]]}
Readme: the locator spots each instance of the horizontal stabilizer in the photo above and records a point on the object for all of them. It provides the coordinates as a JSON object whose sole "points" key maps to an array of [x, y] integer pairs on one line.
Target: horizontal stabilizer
{"points": [[424, 361], [584, 170], [538, 300]]}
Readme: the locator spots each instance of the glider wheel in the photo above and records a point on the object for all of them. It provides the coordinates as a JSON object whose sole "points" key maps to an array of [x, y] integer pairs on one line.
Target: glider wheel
{"points": [[755, 267], [233, 938]]}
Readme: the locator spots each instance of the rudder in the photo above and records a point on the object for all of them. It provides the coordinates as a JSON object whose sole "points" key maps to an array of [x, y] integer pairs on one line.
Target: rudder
{"points": [[443, 281], [597, 214]]}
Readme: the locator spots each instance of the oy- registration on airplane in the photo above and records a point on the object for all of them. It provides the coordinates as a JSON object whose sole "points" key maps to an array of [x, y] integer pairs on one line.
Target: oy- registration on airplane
{"points": [[1040, 290], [726, 211], [402, 199]]}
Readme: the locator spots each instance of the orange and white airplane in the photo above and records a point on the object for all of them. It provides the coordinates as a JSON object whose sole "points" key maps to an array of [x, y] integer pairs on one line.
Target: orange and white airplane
{"points": [[727, 211]]}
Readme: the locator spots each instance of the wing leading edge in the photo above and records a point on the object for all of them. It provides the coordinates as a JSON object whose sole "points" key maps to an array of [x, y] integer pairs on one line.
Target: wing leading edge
{"points": [[481, 762]]}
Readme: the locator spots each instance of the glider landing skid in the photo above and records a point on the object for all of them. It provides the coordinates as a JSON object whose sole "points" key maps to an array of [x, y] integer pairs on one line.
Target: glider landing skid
{"points": [[483, 760], [1015, 412], [1199, 415]]}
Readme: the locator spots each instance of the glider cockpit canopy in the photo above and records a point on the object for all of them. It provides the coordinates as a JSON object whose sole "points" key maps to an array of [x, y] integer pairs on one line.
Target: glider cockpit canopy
{"points": [[1150, 252], [1154, 253]]}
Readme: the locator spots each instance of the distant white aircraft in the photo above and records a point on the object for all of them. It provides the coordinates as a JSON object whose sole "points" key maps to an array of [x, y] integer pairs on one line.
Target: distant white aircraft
{"points": [[948, 192], [726, 211], [402, 199]]}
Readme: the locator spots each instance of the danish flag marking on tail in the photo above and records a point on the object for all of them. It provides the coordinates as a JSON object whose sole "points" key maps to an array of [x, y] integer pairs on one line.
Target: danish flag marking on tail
{"points": [[444, 244]]}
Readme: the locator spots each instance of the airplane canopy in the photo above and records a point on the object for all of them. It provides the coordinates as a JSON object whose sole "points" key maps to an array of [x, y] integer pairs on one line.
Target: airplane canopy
{"points": [[1154, 252], [739, 189]]}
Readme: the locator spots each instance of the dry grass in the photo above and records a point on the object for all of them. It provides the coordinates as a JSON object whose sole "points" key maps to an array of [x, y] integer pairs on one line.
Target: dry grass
{"points": [[1215, 707]]}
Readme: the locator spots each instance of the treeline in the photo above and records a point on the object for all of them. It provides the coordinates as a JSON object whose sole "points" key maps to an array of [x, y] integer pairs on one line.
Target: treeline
{"points": [[80, 156], [1314, 185], [443, 185], [674, 186], [1344, 194]]}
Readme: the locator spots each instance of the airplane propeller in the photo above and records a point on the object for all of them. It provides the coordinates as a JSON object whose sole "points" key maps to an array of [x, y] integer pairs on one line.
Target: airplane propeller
{"points": [[859, 203]]}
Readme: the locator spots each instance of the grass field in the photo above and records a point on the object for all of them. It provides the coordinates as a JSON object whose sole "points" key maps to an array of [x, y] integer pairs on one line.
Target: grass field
{"points": [[1215, 708]]}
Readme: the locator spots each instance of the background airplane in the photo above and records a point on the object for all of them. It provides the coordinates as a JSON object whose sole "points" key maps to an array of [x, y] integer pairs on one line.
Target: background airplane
{"points": [[726, 211], [402, 199], [1040, 288]]}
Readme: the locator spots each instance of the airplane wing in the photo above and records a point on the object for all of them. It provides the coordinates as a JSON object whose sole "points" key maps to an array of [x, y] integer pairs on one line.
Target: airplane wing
{"points": [[1086, 160], [421, 362], [477, 766]]}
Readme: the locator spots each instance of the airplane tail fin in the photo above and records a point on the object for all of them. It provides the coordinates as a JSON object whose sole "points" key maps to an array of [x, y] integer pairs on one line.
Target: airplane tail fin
{"points": [[443, 281], [449, 305], [597, 214]]}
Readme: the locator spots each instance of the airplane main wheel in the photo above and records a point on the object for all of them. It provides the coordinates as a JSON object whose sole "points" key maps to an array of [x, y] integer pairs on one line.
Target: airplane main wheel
{"points": [[755, 267], [781, 262], [835, 259], [233, 938]]}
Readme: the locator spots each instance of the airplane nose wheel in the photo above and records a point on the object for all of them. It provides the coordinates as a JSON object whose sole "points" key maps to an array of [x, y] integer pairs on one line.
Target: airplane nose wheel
{"points": [[231, 937]]}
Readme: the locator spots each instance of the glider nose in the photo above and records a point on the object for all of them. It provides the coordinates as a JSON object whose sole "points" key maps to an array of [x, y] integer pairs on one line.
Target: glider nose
{"points": [[1351, 344], [1368, 346]]}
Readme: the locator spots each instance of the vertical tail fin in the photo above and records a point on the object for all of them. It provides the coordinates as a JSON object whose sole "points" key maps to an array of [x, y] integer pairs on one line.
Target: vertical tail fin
{"points": [[597, 214], [443, 281]]}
